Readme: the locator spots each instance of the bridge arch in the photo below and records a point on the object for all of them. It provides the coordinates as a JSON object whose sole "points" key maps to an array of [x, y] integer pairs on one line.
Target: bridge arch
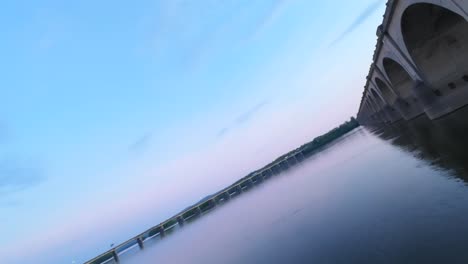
{"points": [[387, 94], [369, 111], [400, 79], [437, 41], [371, 105], [379, 105], [376, 98]]}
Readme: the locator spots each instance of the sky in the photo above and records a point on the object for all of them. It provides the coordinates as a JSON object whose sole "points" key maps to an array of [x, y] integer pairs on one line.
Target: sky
{"points": [[114, 115]]}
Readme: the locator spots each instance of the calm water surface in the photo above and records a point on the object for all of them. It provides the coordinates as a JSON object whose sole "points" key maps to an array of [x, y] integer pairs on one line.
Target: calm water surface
{"points": [[397, 195]]}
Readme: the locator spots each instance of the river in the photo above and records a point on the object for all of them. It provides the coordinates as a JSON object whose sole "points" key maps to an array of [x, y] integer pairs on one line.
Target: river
{"points": [[394, 195]]}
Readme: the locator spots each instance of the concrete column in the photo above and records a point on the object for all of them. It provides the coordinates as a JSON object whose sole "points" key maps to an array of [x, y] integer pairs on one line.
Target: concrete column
{"points": [[401, 104], [199, 211], [384, 115], [140, 242], [238, 189], [227, 196], [115, 256], [392, 114], [424, 94], [162, 232], [180, 221], [271, 171], [260, 178]]}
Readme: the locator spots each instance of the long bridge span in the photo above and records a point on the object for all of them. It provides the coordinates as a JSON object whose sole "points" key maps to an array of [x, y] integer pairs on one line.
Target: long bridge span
{"points": [[420, 64], [201, 207]]}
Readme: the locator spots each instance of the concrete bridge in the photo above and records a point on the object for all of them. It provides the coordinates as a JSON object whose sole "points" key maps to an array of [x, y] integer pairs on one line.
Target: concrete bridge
{"points": [[201, 207], [420, 64]]}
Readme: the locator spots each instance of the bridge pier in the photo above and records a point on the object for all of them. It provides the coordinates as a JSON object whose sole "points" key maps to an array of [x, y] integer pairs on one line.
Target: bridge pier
{"points": [[302, 155], [278, 168], [162, 232], [270, 171], [140, 242], [180, 221], [115, 256], [256, 180], [421, 57], [227, 196]]}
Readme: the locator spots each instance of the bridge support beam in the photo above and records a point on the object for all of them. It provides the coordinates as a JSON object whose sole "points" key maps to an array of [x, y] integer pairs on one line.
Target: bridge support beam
{"points": [[278, 168], [140, 243], [162, 232], [180, 221], [270, 170], [115, 256]]}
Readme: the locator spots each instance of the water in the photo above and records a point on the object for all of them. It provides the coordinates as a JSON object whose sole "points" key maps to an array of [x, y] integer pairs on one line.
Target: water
{"points": [[397, 195]]}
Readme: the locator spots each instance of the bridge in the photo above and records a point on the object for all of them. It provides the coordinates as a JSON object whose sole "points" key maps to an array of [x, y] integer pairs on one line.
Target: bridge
{"points": [[201, 207], [420, 63]]}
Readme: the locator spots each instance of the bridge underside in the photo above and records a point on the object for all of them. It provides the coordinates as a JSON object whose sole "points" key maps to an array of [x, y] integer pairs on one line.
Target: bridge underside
{"points": [[420, 65]]}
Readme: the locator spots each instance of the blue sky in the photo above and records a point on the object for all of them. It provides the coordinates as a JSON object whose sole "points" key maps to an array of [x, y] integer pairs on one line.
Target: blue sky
{"points": [[109, 109]]}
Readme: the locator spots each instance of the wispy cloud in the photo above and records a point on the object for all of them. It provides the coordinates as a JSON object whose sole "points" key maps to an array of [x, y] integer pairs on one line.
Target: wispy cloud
{"points": [[370, 9], [274, 13], [246, 116], [197, 42], [141, 144], [17, 175], [222, 132], [243, 118]]}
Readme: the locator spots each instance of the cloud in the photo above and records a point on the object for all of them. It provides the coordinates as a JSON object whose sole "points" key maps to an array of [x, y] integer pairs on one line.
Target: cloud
{"points": [[248, 115], [222, 132], [274, 13], [243, 118], [141, 144], [197, 42], [17, 175], [371, 8]]}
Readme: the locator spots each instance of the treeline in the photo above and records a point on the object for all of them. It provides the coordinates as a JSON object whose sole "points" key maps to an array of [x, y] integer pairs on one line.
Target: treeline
{"points": [[307, 149], [328, 137], [320, 141]]}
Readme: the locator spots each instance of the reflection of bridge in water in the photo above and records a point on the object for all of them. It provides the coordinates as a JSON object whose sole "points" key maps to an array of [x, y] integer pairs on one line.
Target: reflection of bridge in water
{"points": [[201, 207], [441, 143]]}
